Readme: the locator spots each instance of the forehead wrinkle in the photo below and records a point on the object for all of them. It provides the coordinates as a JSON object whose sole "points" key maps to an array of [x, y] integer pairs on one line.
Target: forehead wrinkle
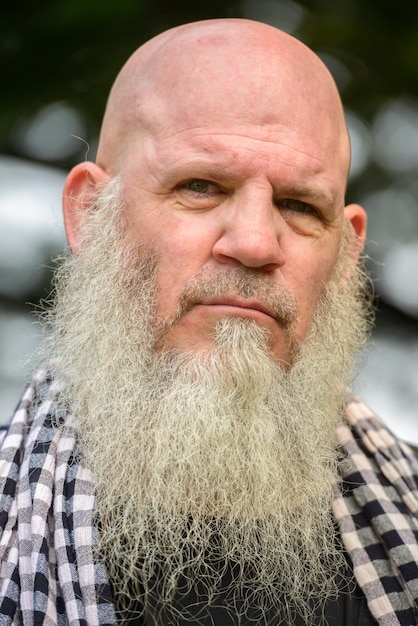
{"points": [[241, 132], [227, 159], [230, 152]]}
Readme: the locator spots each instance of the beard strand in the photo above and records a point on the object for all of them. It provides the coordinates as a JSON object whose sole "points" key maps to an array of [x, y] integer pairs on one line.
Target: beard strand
{"points": [[209, 467]]}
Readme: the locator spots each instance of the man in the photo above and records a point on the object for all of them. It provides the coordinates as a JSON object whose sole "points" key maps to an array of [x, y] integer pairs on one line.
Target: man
{"points": [[189, 452]]}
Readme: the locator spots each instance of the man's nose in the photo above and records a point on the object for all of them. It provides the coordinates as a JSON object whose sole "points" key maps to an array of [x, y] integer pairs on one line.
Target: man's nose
{"points": [[252, 228]]}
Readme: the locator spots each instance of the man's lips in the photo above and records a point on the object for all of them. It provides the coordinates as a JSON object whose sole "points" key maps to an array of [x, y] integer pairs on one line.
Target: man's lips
{"points": [[250, 305]]}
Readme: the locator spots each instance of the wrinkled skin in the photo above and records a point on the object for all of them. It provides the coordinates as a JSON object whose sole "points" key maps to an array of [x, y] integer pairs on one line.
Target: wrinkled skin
{"points": [[230, 140]]}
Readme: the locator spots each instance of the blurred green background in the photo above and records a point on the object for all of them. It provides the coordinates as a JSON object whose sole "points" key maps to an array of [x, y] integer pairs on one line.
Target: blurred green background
{"points": [[58, 59]]}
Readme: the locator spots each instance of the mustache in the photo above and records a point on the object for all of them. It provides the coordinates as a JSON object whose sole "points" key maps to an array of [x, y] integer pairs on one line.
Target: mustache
{"points": [[242, 283]]}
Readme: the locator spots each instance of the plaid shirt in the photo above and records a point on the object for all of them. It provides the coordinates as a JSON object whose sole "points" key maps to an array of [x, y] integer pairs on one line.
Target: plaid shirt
{"points": [[48, 574]]}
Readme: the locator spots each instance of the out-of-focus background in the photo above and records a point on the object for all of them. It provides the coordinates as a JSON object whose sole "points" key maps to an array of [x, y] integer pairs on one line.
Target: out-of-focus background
{"points": [[58, 59]]}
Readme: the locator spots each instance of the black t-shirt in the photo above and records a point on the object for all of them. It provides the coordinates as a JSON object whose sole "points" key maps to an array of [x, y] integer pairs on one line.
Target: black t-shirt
{"points": [[348, 609]]}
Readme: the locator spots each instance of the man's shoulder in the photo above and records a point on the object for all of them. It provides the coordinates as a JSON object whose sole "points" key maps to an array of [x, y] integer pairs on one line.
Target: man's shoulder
{"points": [[376, 507], [372, 455], [366, 424], [413, 447], [36, 407]]}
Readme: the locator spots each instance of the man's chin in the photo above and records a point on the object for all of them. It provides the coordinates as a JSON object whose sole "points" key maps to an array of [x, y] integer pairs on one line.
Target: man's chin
{"points": [[198, 332]]}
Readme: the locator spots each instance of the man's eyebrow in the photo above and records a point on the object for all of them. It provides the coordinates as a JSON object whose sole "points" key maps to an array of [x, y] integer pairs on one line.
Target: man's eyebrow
{"points": [[326, 200], [198, 170]]}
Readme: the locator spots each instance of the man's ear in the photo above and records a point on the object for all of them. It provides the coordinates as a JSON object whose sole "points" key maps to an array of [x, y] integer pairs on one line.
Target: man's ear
{"points": [[357, 217], [80, 191]]}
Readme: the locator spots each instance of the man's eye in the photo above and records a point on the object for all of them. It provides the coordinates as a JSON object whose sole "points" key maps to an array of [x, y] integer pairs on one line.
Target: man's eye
{"points": [[297, 206], [198, 185], [199, 193]]}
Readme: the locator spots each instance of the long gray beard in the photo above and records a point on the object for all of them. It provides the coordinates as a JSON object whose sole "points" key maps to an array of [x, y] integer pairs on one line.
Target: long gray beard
{"points": [[205, 464]]}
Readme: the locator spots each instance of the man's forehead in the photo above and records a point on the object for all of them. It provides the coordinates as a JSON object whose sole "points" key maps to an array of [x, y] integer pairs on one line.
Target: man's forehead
{"points": [[223, 70], [235, 149]]}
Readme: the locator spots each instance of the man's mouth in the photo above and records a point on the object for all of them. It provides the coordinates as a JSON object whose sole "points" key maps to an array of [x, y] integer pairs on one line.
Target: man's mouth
{"points": [[243, 294], [239, 306]]}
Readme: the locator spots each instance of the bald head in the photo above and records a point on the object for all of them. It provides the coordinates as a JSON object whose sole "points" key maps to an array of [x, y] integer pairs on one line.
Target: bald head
{"points": [[217, 72]]}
